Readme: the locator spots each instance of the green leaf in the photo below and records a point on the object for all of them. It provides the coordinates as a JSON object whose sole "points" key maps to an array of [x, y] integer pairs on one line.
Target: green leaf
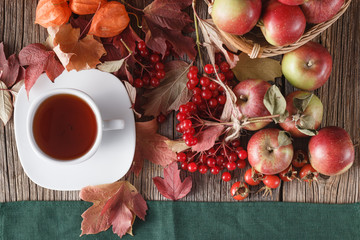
{"points": [[259, 68], [301, 103], [309, 132], [284, 138], [275, 103], [111, 66]]}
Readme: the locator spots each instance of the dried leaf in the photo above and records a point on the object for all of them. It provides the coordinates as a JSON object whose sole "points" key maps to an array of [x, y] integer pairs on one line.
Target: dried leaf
{"points": [[171, 186], [10, 69], [151, 146], [6, 105], [132, 96], [214, 42], [115, 204], [164, 21], [176, 145], [284, 138], [172, 91], [308, 132], [74, 53], [275, 103], [259, 68], [301, 103], [38, 59], [15, 90], [306, 124], [207, 138], [111, 66]]}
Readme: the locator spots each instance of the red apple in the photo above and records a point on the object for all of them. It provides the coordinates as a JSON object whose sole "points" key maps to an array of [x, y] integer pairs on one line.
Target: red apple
{"points": [[317, 11], [331, 152], [282, 24], [307, 67], [236, 16], [292, 2], [250, 94], [264, 153], [313, 109]]}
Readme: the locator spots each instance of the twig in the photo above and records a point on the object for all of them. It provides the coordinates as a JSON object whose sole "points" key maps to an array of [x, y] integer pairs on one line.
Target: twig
{"points": [[197, 33], [127, 4]]}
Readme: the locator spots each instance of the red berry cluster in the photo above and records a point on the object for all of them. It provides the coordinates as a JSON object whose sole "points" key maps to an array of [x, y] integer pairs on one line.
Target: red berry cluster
{"points": [[216, 159], [149, 69]]}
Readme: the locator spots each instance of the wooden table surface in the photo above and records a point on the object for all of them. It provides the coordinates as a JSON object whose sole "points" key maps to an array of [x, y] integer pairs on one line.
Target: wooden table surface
{"points": [[340, 96]]}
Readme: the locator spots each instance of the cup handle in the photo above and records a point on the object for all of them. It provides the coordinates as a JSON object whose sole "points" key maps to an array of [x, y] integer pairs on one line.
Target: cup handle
{"points": [[114, 124]]}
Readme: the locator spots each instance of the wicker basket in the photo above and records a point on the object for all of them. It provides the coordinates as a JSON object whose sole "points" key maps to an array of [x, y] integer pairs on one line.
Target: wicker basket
{"points": [[255, 45]]}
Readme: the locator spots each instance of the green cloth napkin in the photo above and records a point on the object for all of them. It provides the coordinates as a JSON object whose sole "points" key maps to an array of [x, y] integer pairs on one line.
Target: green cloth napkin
{"points": [[188, 220]]}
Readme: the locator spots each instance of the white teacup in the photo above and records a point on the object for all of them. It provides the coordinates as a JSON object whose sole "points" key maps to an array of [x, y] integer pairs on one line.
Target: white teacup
{"points": [[102, 125]]}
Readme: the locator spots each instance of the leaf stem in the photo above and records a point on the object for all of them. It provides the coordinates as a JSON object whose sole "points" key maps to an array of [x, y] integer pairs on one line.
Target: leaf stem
{"points": [[130, 6], [126, 46], [137, 19], [197, 34]]}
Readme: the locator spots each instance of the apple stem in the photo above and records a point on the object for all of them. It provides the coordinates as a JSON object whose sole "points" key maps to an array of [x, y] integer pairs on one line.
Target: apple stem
{"points": [[243, 98], [310, 63]]}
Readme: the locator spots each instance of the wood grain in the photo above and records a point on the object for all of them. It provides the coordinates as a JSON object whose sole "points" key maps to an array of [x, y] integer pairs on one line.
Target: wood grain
{"points": [[340, 96]]}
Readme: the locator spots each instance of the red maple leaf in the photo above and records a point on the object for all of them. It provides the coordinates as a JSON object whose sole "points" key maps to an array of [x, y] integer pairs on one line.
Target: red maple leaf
{"points": [[171, 186], [164, 21], [207, 138], [10, 70], [151, 146], [115, 204], [38, 59]]}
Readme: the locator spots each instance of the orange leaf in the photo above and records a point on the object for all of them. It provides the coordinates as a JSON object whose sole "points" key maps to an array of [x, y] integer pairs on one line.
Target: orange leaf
{"points": [[115, 204], [84, 7], [52, 13], [72, 52], [110, 20]]}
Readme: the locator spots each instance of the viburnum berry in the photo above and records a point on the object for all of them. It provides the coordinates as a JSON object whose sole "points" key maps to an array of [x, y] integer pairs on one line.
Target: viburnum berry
{"points": [[203, 169], [221, 99], [187, 136], [229, 75], [184, 165], [144, 53], [146, 80], [154, 82], [211, 162], [194, 81], [213, 86], [220, 160], [232, 157], [206, 94], [213, 103], [190, 86], [181, 157], [191, 106], [209, 69], [215, 93], [239, 191], [242, 154], [194, 69], [184, 109], [154, 58], [180, 116], [215, 170], [178, 128], [196, 99], [186, 124], [196, 91], [160, 74], [194, 141], [161, 118], [241, 164], [211, 151], [231, 166], [190, 131], [221, 77], [141, 45], [204, 81], [226, 176], [238, 149], [224, 67], [191, 75], [192, 167], [203, 158], [235, 143], [138, 83], [159, 66]]}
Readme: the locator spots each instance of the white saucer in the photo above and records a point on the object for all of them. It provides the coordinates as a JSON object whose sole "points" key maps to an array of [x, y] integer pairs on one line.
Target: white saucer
{"points": [[115, 154]]}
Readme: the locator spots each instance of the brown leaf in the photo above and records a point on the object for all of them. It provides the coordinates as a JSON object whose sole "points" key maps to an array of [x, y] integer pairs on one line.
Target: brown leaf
{"points": [[214, 42], [132, 96], [72, 52], [151, 146], [15, 90], [115, 204], [259, 68], [172, 91], [164, 21], [111, 66], [6, 105], [176, 145], [171, 186], [207, 138], [10, 69]]}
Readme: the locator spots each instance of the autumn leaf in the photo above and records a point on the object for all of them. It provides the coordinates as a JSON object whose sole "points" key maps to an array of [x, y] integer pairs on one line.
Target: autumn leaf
{"points": [[6, 105], [111, 66], [72, 52], [15, 90], [171, 186], [214, 42], [132, 96], [259, 68], [177, 145], [164, 21], [114, 204], [206, 138], [172, 91], [151, 146], [10, 69], [38, 59]]}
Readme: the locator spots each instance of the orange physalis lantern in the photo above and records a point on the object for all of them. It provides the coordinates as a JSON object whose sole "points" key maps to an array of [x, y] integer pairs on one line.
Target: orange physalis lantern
{"points": [[50, 13], [83, 7], [110, 20]]}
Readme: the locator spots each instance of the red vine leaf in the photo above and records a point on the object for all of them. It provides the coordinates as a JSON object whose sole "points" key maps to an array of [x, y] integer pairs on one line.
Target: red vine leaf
{"points": [[151, 146], [172, 91], [39, 59], [10, 69], [115, 204], [207, 138], [72, 52], [171, 186], [164, 21]]}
